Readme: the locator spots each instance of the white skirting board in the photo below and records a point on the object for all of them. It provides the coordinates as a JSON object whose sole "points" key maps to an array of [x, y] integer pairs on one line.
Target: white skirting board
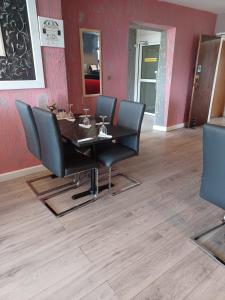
{"points": [[22, 172], [170, 128]]}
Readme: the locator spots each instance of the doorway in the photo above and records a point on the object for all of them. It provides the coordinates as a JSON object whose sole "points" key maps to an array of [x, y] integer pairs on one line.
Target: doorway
{"points": [[217, 106], [152, 90], [150, 57], [146, 69], [208, 93], [203, 91]]}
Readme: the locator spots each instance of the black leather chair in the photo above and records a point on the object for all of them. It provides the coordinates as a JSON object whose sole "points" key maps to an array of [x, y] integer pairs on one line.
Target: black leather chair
{"points": [[30, 129], [213, 175], [54, 158], [213, 182], [130, 116], [33, 144], [106, 106]]}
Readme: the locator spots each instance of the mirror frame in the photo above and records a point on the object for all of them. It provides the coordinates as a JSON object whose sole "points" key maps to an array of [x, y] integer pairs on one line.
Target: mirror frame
{"points": [[82, 30]]}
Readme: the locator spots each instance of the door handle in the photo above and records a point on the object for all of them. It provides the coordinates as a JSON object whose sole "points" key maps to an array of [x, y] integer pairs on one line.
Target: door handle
{"points": [[196, 85]]}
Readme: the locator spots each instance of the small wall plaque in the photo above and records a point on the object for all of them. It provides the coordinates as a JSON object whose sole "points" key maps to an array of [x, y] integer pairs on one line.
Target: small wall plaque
{"points": [[51, 32]]}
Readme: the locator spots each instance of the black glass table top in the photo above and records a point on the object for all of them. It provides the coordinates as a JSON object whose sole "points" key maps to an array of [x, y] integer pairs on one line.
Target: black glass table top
{"points": [[73, 132]]}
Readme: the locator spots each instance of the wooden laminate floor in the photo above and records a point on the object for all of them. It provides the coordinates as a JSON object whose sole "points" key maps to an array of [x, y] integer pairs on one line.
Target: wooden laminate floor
{"points": [[135, 245]]}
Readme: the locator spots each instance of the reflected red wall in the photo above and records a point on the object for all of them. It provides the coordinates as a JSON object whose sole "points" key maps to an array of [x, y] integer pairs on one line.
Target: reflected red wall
{"points": [[113, 19], [13, 152]]}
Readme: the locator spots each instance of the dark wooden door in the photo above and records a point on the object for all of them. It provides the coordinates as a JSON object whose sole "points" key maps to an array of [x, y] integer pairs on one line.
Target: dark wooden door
{"points": [[208, 53]]}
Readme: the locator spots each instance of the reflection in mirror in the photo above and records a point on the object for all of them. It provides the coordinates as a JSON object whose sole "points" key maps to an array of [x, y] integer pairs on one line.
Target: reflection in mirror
{"points": [[90, 45]]}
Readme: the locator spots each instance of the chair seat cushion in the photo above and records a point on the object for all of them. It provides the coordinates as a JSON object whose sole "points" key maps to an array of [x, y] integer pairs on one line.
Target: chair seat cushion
{"points": [[98, 148], [113, 153], [76, 162]]}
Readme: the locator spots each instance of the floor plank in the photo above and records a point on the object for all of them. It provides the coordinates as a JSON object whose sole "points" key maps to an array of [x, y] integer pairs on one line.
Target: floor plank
{"points": [[180, 279], [211, 288], [103, 292], [137, 277], [42, 278]]}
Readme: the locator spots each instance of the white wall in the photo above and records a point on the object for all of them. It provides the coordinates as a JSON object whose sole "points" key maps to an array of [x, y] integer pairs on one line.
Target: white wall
{"points": [[153, 37], [220, 24]]}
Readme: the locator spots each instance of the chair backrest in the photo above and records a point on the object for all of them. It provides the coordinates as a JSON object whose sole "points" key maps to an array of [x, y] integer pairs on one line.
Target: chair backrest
{"points": [[131, 116], [213, 175], [106, 106], [50, 140], [30, 128]]}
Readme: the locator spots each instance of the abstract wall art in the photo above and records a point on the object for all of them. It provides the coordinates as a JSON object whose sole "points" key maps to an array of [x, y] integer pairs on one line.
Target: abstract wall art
{"points": [[2, 46], [51, 32], [20, 53]]}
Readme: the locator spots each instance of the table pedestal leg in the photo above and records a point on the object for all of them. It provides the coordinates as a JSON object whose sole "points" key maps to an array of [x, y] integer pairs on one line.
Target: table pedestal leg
{"points": [[93, 188]]}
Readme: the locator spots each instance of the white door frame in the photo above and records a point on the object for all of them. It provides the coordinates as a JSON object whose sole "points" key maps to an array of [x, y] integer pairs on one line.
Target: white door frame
{"points": [[215, 78], [136, 73]]}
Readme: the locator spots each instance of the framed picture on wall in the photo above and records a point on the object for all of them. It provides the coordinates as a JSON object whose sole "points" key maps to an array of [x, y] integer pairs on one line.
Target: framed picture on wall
{"points": [[2, 46], [51, 32], [21, 67]]}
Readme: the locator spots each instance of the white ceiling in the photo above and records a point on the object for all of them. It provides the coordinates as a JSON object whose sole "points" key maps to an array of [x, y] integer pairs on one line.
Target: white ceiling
{"points": [[215, 6]]}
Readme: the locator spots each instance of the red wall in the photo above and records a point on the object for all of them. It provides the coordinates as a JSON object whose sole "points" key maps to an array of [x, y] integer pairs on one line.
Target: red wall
{"points": [[113, 18], [13, 152]]}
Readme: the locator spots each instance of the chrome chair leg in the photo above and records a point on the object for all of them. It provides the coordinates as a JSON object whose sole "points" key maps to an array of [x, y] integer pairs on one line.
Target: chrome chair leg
{"points": [[223, 220], [196, 240], [110, 180], [76, 179], [80, 195], [37, 193], [96, 182], [134, 183]]}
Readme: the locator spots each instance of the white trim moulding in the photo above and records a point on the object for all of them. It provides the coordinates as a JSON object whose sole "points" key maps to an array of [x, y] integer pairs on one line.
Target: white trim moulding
{"points": [[21, 173], [170, 128]]}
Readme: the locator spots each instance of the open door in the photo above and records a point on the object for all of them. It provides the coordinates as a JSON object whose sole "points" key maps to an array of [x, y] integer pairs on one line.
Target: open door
{"points": [[218, 102], [204, 79]]}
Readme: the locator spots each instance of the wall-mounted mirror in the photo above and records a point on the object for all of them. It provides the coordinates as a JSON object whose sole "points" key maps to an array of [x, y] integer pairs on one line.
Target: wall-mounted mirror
{"points": [[90, 46]]}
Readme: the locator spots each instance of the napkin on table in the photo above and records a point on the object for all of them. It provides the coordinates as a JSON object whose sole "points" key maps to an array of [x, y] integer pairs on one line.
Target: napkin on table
{"points": [[71, 120], [85, 126], [100, 123], [106, 136], [85, 140], [83, 116]]}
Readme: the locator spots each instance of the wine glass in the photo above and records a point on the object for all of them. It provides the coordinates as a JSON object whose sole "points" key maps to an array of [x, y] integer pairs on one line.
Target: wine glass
{"points": [[86, 120], [61, 114], [52, 107], [103, 129], [70, 114]]}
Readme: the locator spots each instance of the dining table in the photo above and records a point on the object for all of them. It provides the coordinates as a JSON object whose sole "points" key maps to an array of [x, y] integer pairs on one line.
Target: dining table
{"points": [[73, 131]]}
